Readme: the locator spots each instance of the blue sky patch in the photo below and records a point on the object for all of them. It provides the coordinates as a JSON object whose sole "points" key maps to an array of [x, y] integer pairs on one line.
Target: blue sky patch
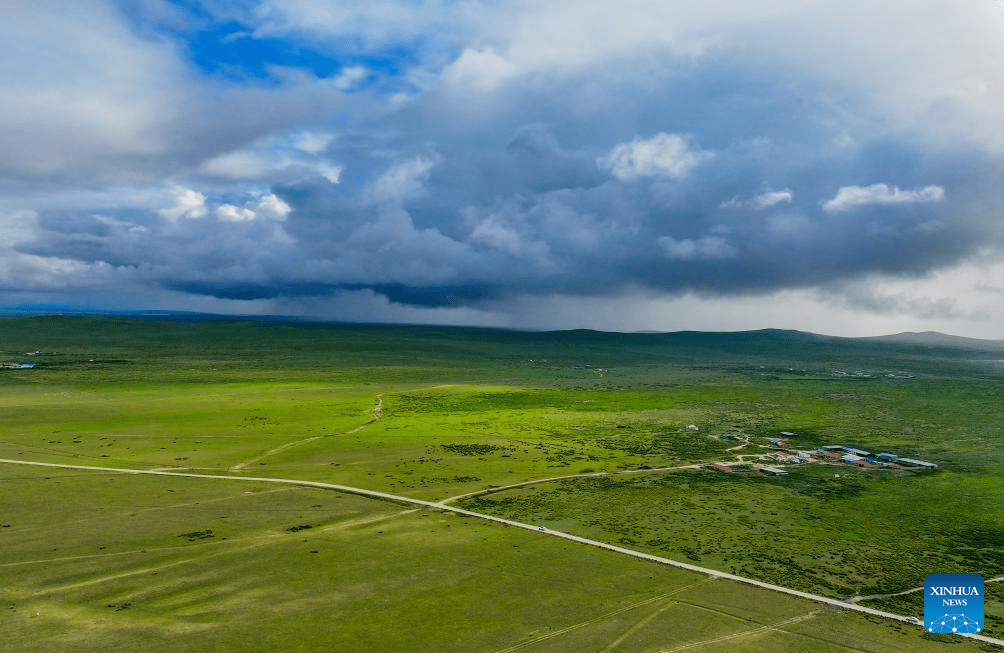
{"points": [[229, 49]]}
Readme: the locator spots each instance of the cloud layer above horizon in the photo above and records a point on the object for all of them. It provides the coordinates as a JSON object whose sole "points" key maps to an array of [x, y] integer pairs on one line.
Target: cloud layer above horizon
{"points": [[508, 163]]}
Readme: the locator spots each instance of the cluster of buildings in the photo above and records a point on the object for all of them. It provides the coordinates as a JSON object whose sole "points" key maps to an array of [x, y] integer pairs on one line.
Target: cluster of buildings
{"points": [[792, 457], [853, 456], [828, 453], [20, 366]]}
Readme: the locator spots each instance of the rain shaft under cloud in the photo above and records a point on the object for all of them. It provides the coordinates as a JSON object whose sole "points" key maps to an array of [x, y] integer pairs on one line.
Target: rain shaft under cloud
{"points": [[455, 159]]}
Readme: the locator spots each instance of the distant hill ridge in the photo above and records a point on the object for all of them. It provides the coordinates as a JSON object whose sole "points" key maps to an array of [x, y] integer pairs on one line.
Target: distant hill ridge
{"points": [[694, 338], [937, 339]]}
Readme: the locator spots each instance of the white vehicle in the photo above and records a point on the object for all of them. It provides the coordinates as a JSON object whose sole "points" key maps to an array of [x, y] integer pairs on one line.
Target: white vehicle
{"points": [[541, 528]]}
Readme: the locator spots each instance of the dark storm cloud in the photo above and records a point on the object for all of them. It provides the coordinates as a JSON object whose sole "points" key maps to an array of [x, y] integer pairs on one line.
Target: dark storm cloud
{"points": [[525, 198], [248, 290], [547, 202]]}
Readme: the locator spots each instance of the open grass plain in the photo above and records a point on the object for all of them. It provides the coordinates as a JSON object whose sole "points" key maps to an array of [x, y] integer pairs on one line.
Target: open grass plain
{"points": [[96, 561]]}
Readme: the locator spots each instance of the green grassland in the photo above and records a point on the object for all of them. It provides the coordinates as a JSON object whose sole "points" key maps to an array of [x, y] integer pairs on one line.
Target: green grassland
{"points": [[111, 562], [95, 561]]}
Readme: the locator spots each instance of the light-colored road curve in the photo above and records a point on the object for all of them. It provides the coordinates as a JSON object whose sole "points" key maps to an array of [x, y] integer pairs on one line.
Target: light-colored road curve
{"points": [[508, 522], [741, 445], [858, 599], [537, 481], [622, 472]]}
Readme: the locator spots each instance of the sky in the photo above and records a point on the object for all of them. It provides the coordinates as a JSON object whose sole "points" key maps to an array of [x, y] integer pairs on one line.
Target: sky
{"points": [[832, 166]]}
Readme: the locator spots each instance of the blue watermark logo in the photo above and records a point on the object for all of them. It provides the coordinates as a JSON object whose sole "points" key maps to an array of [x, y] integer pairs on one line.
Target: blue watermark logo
{"points": [[953, 603]]}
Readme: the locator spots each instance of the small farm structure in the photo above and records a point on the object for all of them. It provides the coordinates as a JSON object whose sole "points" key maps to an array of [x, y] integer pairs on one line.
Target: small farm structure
{"points": [[721, 468], [729, 436], [845, 449], [773, 471], [856, 452], [916, 463]]}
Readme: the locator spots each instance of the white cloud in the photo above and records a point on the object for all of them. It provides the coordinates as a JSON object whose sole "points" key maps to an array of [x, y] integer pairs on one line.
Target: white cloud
{"points": [[242, 165], [349, 77], [482, 70], [850, 197], [231, 213], [704, 248], [290, 159], [578, 34], [78, 89], [763, 201], [269, 206], [401, 179], [188, 203], [935, 83], [663, 155], [391, 248], [273, 208], [17, 227], [773, 198], [494, 234], [48, 273], [313, 142], [376, 23]]}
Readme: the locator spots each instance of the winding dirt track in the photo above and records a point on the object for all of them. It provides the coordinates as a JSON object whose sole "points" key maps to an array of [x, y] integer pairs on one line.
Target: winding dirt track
{"points": [[376, 413], [745, 633], [537, 481], [508, 522], [652, 470]]}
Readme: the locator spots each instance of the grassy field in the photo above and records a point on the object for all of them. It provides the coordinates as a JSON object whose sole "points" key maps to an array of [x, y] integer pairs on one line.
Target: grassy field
{"points": [[95, 561]]}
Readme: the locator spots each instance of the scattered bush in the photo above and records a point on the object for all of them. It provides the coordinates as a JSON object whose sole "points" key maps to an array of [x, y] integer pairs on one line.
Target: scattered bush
{"points": [[471, 449]]}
